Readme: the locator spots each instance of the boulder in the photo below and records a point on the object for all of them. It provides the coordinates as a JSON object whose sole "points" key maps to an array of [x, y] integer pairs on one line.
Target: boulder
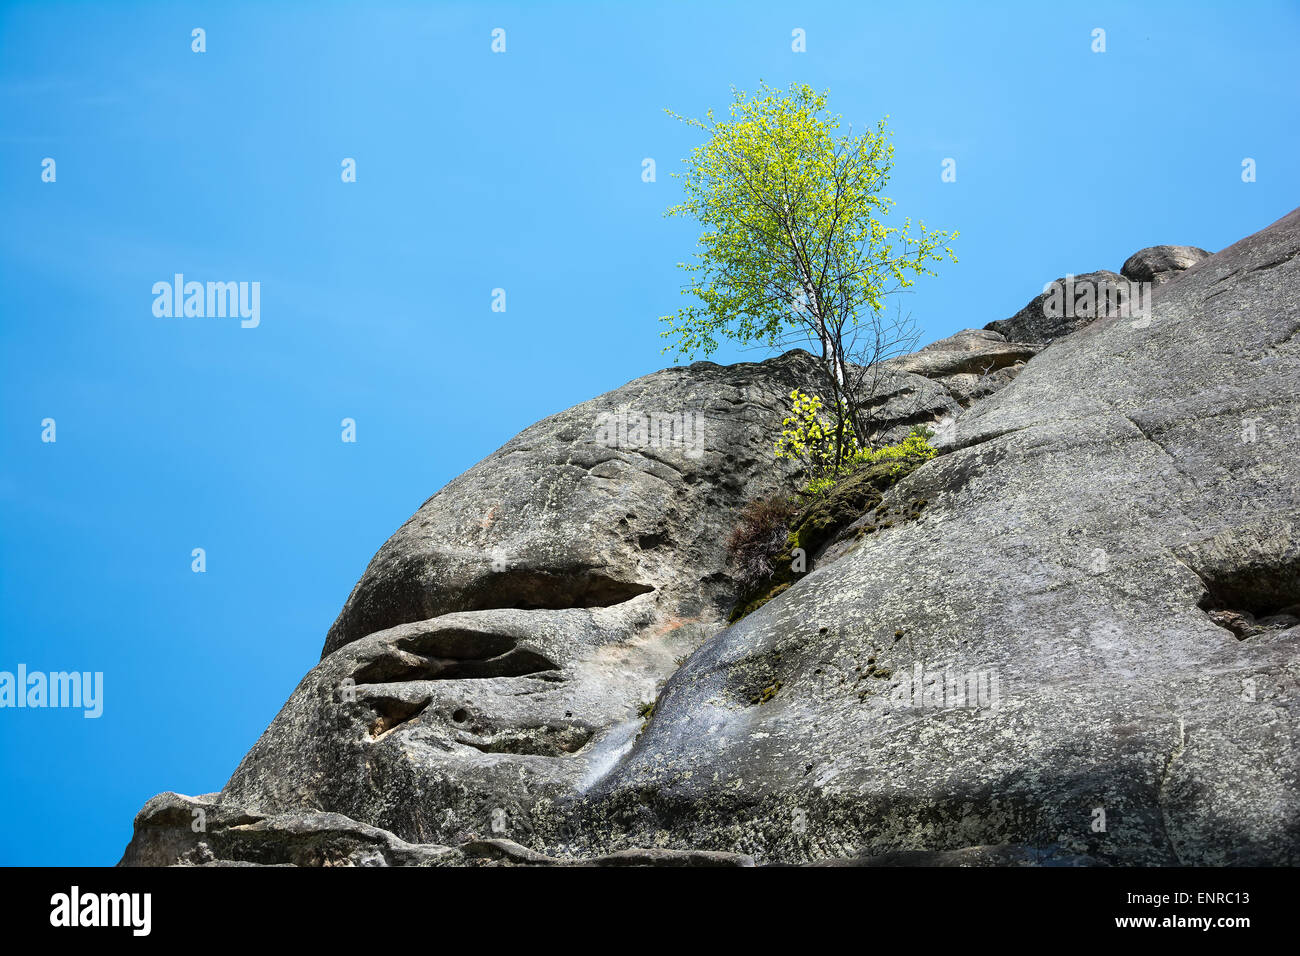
{"points": [[1159, 264]]}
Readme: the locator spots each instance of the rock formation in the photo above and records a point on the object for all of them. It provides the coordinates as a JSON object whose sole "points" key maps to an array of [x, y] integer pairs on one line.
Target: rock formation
{"points": [[1159, 264], [1038, 322], [1082, 650]]}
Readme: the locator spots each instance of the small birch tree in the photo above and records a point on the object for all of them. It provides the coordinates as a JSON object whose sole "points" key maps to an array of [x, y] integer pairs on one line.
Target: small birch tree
{"points": [[794, 244]]}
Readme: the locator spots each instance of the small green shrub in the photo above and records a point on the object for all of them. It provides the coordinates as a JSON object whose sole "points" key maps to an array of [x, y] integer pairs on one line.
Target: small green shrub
{"points": [[819, 486], [906, 455], [809, 439], [912, 451]]}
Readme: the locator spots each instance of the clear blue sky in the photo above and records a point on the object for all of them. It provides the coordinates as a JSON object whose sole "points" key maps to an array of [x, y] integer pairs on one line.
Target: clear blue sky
{"points": [[475, 171]]}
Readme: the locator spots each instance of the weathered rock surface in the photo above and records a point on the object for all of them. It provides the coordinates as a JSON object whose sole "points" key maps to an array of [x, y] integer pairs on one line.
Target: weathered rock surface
{"points": [[165, 836], [1091, 512], [936, 383], [496, 653], [1091, 532]]}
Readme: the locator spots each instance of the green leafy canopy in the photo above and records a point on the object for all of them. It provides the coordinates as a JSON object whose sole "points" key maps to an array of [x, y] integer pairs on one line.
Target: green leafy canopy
{"points": [[791, 209]]}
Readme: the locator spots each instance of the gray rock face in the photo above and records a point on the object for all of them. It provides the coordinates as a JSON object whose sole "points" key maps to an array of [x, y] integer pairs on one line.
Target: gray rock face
{"points": [[1033, 657], [1159, 264], [1081, 651], [496, 653], [621, 497]]}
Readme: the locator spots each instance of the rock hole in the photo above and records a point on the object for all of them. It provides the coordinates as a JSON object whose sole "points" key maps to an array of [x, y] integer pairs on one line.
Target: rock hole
{"points": [[1251, 576], [392, 712], [408, 597], [529, 590], [544, 741], [455, 655]]}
